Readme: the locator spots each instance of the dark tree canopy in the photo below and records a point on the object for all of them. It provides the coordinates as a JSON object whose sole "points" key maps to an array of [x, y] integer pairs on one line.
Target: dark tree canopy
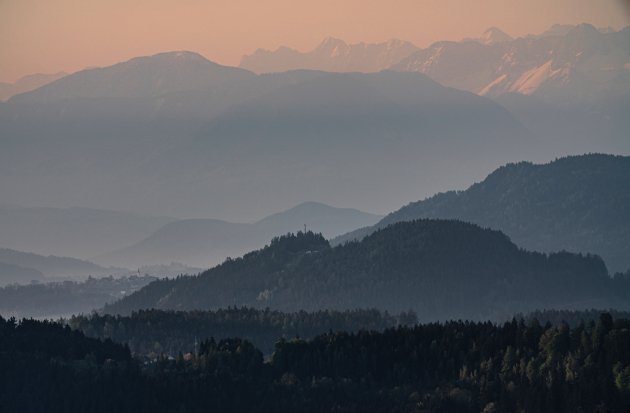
{"points": [[440, 367]]}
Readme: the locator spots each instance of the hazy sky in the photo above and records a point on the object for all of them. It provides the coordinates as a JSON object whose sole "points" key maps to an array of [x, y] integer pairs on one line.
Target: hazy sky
{"points": [[68, 35]]}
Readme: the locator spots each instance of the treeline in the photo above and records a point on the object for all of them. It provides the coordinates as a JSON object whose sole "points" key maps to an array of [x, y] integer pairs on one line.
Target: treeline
{"points": [[450, 367], [571, 317], [47, 367], [155, 332]]}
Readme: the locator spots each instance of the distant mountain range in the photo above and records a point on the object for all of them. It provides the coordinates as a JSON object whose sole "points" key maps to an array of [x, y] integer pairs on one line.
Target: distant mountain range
{"points": [[569, 83], [578, 204], [27, 83], [563, 62], [155, 245], [177, 135], [578, 63], [440, 269], [208, 242], [241, 143], [332, 55]]}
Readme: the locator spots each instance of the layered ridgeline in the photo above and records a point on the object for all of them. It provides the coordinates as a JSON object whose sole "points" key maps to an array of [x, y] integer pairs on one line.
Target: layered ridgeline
{"points": [[569, 83], [130, 240], [177, 135], [576, 62], [440, 269], [27, 83], [565, 61], [331, 55], [578, 204], [207, 242]]}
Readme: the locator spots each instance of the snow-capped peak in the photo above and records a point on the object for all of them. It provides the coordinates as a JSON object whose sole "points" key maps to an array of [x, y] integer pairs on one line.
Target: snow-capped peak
{"points": [[494, 35], [331, 43]]}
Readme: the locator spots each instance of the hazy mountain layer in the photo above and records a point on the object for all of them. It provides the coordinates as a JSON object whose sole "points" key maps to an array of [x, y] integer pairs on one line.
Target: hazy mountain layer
{"points": [[579, 204], [74, 232], [146, 76], [562, 62], [155, 143], [332, 55], [27, 83], [582, 63], [208, 242], [578, 78], [440, 269], [14, 274], [52, 266]]}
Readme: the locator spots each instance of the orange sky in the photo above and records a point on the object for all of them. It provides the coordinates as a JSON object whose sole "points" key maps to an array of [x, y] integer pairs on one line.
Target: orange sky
{"points": [[68, 35]]}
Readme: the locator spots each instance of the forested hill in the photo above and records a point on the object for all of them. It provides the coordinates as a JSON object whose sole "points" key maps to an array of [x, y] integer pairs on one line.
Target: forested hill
{"points": [[577, 203], [440, 269]]}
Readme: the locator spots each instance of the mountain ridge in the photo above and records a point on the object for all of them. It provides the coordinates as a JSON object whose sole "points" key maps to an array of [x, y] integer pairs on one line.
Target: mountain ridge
{"points": [[208, 242], [332, 54], [577, 62]]}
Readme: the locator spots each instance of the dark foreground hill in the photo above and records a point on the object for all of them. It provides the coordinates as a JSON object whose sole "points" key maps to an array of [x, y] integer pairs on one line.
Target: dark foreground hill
{"points": [[577, 203], [440, 269], [453, 367]]}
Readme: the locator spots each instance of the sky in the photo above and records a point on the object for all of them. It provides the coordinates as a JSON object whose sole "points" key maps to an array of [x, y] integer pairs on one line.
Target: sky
{"points": [[48, 36]]}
